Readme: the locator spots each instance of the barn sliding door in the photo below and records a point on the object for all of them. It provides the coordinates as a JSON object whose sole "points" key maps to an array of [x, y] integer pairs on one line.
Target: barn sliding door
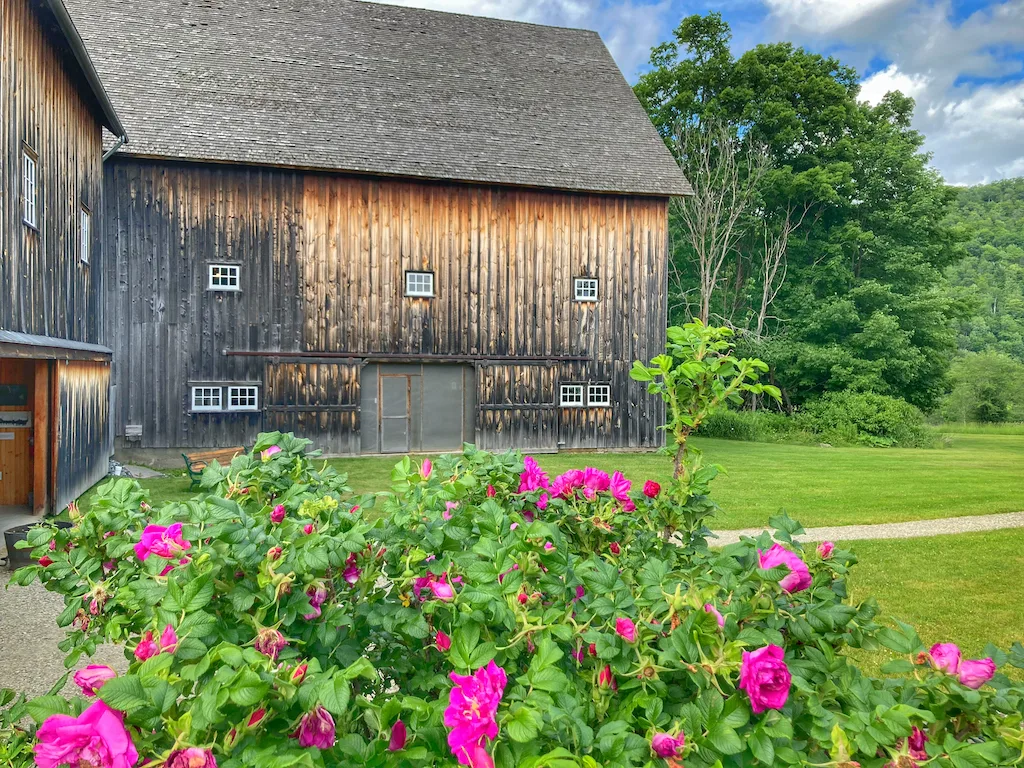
{"points": [[395, 413]]}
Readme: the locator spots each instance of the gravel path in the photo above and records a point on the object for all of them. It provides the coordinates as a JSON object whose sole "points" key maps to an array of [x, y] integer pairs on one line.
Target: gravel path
{"points": [[31, 662], [912, 530]]}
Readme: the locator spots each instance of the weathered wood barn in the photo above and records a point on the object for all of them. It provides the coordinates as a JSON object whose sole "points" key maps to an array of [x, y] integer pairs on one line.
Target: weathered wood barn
{"points": [[55, 436], [383, 228]]}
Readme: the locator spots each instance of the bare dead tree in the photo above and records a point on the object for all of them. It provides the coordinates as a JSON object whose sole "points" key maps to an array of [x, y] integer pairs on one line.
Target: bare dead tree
{"points": [[773, 261], [725, 173]]}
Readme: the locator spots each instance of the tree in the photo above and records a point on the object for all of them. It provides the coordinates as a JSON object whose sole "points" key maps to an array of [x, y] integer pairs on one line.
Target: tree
{"points": [[987, 387]]}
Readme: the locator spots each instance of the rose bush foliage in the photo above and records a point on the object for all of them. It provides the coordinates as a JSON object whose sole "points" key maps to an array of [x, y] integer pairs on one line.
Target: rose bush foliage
{"points": [[478, 612]]}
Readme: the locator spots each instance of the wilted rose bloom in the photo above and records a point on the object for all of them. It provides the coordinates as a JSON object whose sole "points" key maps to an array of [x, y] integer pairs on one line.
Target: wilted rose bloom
{"points": [[916, 744], [709, 608], [491, 491], [765, 677], [666, 746], [278, 514], [192, 757], [799, 577], [96, 738], [162, 541], [616, 548], [626, 629], [442, 641], [92, 678], [825, 549], [316, 729], [577, 655], [147, 647], [269, 452], [269, 642], [580, 591], [946, 657], [274, 553], [427, 468], [399, 736], [975, 673], [606, 678], [352, 570], [651, 489], [470, 715]]}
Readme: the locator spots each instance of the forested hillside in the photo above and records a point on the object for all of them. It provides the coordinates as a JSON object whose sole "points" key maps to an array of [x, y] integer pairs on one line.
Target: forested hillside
{"points": [[991, 276]]}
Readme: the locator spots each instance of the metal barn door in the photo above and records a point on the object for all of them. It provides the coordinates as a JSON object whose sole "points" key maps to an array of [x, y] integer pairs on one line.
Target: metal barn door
{"points": [[444, 407], [395, 410]]}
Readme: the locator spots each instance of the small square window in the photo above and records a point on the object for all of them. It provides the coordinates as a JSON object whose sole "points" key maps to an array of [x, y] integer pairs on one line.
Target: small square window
{"points": [[585, 289], [84, 233], [223, 277], [28, 188], [244, 398], [599, 394], [571, 396], [207, 398], [419, 284]]}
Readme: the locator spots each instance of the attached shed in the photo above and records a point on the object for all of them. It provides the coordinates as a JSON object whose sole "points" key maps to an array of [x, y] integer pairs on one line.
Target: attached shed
{"points": [[384, 228]]}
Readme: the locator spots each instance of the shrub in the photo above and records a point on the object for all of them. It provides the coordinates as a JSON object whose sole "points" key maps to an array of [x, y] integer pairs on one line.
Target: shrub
{"points": [[988, 387], [867, 418], [488, 615], [755, 426]]}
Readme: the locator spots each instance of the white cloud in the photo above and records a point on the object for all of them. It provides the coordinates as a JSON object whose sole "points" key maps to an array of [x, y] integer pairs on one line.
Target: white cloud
{"points": [[891, 79], [824, 16]]}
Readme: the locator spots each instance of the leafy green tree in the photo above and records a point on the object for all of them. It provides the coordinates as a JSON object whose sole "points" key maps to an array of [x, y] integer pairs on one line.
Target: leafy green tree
{"points": [[987, 386], [865, 304]]}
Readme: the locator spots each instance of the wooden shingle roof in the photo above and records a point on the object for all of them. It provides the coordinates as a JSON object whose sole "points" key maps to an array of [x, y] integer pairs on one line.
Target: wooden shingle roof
{"points": [[378, 89]]}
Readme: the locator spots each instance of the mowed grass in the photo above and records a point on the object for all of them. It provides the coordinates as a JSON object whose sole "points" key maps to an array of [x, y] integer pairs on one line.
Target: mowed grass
{"points": [[967, 588], [978, 474]]}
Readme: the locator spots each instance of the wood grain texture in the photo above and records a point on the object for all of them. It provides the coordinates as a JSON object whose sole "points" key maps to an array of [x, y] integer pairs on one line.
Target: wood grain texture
{"points": [[44, 287], [83, 428], [16, 444], [323, 259]]}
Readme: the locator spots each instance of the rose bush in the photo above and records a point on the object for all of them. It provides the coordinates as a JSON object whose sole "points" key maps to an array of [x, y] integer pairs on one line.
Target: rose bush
{"points": [[480, 613]]}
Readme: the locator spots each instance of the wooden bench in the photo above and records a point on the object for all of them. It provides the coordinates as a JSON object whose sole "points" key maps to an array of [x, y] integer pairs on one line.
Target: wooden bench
{"points": [[197, 461]]}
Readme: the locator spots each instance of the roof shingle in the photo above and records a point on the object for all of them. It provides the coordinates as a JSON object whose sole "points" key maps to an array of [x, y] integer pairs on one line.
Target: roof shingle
{"points": [[379, 89]]}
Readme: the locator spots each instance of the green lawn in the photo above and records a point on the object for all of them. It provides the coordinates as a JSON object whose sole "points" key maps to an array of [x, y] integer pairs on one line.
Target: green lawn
{"points": [[978, 474], [966, 589]]}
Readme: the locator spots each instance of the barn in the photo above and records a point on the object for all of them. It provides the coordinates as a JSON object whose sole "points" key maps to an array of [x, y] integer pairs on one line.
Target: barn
{"points": [[383, 228], [55, 435]]}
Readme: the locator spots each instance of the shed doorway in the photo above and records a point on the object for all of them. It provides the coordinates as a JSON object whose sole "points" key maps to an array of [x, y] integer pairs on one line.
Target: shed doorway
{"points": [[411, 408]]}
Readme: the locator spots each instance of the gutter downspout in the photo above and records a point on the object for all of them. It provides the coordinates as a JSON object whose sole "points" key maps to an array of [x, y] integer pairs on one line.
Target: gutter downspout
{"points": [[121, 141]]}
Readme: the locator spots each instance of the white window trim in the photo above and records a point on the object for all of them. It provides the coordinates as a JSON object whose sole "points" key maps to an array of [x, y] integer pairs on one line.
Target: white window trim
{"points": [[196, 388], [570, 402], [605, 398], [235, 388], [85, 233], [237, 273], [585, 283], [29, 188], [419, 293]]}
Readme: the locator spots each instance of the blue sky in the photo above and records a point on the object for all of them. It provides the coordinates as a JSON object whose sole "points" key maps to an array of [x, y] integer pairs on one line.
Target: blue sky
{"points": [[962, 60]]}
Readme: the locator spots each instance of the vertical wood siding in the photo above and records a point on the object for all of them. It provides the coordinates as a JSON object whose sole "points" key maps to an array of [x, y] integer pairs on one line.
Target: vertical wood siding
{"points": [[44, 288], [83, 428], [322, 261]]}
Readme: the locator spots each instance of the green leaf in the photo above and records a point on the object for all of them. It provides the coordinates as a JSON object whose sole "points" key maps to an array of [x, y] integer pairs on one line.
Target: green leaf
{"points": [[761, 747], [124, 693], [46, 706], [334, 695], [725, 740], [524, 724]]}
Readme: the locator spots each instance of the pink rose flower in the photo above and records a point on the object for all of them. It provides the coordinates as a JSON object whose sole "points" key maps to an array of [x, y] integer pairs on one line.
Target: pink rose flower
{"points": [[799, 577], [615, 548], [270, 642], [162, 541], [620, 487], [666, 746], [626, 629], [96, 738], [580, 592], [352, 570], [298, 674], [916, 744], [448, 507], [168, 640], [278, 514], [946, 657], [147, 647], [825, 549], [442, 641], [566, 484], [709, 608], [765, 677], [426, 469], [594, 481], [605, 678], [491, 491], [974, 673], [256, 718], [533, 478], [316, 729], [92, 678], [399, 735], [192, 757], [438, 585], [317, 594], [45, 560], [270, 452], [651, 489], [470, 715]]}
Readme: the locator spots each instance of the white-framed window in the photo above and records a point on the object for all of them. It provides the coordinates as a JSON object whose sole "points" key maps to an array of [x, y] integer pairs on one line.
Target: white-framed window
{"points": [[245, 397], [28, 188], [419, 284], [585, 289], [85, 232], [223, 277], [599, 394], [571, 396], [207, 398]]}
